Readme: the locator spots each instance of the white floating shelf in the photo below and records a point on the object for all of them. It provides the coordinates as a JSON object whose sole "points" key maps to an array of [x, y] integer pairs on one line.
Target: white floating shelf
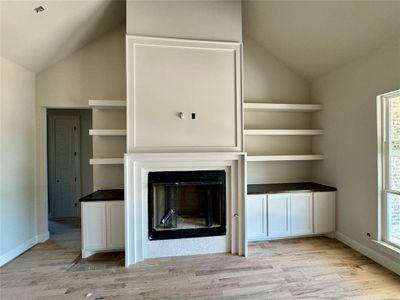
{"points": [[108, 132], [283, 132], [107, 104], [282, 107], [284, 157], [106, 161]]}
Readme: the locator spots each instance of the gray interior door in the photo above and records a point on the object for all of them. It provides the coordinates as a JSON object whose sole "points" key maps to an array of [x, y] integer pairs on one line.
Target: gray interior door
{"points": [[65, 166]]}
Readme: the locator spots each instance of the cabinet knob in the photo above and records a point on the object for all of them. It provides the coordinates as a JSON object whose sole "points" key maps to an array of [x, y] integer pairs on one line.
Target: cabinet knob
{"points": [[182, 115]]}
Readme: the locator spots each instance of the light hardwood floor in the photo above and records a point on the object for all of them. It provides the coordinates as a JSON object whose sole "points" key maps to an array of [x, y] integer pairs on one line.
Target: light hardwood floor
{"points": [[301, 268]]}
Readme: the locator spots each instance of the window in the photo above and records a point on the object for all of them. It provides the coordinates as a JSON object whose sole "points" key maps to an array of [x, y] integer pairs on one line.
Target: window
{"points": [[389, 151]]}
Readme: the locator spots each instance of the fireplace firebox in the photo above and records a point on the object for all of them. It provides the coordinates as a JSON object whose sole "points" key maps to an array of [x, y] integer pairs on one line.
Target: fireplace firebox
{"points": [[186, 204]]}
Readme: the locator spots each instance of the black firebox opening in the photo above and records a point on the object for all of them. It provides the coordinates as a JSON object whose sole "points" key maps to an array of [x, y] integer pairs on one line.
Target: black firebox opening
{"points": [[184, 204]]}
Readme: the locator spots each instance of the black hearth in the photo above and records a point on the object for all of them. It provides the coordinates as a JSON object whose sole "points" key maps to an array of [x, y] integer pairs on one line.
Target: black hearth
{"points": [[186, 204]]}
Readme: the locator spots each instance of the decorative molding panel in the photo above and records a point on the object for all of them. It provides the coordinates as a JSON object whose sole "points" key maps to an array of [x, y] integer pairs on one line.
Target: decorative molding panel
{"points": [[183, 95]]}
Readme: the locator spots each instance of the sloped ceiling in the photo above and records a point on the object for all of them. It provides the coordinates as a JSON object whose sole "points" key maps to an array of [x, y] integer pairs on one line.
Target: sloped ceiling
{"points": [[38, 40], [314, 37]]}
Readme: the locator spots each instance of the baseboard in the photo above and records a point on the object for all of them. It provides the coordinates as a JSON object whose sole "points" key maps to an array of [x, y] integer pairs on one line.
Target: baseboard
{"points": [[13, 253], [384, 260], [40, 238]]}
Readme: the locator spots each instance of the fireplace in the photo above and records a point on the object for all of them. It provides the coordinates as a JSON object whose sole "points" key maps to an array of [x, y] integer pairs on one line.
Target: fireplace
{"points": [[186, 204], [219, 169]]}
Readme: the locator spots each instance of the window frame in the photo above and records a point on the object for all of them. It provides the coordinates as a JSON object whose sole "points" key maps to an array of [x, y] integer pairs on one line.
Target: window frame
{"points": [[383, 134]]}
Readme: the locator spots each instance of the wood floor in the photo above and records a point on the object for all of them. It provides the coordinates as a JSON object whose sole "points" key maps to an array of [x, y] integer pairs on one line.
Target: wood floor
{"points": [[303, 268]]}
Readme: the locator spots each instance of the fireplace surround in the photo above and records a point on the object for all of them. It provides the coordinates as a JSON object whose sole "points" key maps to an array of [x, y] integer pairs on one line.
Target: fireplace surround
{"points": [[138, 166]]}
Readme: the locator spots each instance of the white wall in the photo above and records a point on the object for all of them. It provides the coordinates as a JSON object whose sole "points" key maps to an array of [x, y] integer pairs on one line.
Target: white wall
{"points": [[96, 71], [201, 19], [266, 79], [350, 140], [17, 159]]}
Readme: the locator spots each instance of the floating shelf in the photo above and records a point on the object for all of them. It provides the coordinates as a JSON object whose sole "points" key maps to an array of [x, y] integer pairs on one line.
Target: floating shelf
{"points": [[106, 161], [108, 132], [282, 107], [283, 132], [284, 157], [107, 104]]}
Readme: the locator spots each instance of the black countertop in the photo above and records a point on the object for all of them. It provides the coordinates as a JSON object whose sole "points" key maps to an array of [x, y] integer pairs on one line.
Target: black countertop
{"points": [[253, 189], [104, 195]]}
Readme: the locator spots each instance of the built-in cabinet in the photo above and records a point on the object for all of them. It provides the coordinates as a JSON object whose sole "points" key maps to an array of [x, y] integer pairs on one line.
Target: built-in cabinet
{"points": [[102, 226], [301, 213], [278, 206], [324, 212], [256, 214], [281, 215]]}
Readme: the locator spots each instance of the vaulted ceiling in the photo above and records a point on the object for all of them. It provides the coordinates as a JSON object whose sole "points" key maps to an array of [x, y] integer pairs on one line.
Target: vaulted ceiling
{"points": [[38, 40], [311, 37], [314, 37]]}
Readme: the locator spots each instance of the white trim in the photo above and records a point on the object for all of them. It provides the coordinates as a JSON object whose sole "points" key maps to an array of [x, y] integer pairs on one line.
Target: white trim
{"points": [[107, 132], [383, 157], [283, 132], [66, 107], [388, 248], [106, 161], [284, 157], [178, 40], [390, 93], [282, 107], [289, 237], [107, 104], [40, 238], [17, 251], [380, 258]]}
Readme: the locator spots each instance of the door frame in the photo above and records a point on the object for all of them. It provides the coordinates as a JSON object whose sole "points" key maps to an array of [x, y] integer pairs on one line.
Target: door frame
{"points": [[51, 160]]}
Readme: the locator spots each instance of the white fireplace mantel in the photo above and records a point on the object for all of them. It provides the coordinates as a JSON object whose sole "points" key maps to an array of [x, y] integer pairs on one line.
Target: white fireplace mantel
{"points": [[137, 166]]}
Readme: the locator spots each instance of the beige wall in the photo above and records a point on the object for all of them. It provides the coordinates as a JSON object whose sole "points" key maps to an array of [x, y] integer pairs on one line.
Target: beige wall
{"points": [[202, 19], [96, 71], [350, 140], [17, 158], [266, 79]]}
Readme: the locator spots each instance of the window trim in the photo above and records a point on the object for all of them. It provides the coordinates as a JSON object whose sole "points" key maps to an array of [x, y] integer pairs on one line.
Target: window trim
{"points": [[383, 150]]}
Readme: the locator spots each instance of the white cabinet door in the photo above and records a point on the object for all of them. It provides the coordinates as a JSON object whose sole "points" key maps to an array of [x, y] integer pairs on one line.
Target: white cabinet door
{"points": [[115, 225], [256, 216], [301, 213], [94, 225], [324, 212], [278, 215]]}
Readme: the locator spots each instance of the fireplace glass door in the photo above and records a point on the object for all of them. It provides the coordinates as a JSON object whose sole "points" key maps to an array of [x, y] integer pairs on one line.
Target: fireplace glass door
{"points": [[186, 204]]}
